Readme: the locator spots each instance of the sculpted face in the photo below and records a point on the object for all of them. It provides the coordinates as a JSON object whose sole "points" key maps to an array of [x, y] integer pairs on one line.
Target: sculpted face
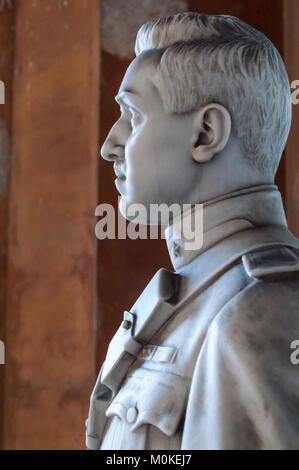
{"points": [[151, 149]]}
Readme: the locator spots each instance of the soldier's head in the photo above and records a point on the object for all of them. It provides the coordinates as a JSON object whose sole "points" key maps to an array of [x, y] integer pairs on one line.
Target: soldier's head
{"points": [[205, 110]]}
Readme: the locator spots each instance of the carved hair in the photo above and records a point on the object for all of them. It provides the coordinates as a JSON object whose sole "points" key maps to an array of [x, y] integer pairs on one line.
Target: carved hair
{"points": [[209, 58]]}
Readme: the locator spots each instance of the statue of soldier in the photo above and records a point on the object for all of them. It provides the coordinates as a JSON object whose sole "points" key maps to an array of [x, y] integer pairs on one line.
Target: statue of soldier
{"points": [[203, 358]]}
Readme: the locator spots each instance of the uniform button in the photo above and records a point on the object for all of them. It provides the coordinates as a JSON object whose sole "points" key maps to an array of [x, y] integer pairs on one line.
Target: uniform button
{"points": [[131, 415], [176, 250], [126, 324]]}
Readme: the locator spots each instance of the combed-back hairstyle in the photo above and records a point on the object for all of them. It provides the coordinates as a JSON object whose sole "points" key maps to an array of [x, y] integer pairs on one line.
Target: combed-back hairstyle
{"points": [[217, 58]]}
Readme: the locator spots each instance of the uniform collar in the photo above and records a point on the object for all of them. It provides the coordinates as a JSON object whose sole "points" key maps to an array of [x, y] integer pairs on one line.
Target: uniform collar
{"points": [[234, 212]]}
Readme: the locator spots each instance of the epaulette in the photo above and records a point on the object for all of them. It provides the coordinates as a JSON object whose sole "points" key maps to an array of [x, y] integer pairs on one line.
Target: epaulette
{"points": [[276, 262]]}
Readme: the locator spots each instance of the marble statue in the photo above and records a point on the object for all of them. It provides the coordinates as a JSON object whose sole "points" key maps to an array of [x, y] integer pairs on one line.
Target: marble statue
{"points": [[202, 360]]}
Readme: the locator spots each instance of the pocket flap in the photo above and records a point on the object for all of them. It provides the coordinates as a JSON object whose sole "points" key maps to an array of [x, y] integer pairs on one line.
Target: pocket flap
{"points": [[151, 397]]}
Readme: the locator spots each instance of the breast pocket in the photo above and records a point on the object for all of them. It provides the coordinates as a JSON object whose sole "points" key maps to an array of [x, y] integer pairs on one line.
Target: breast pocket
{"points": [[151, 397]]}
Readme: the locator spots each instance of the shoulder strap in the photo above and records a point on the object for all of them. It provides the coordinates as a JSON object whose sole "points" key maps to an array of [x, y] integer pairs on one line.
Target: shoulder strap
{"points": [[272, 263]]}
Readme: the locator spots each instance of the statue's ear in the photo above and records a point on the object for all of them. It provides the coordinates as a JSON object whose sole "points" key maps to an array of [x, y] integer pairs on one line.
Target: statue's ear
{"points": [[211, 131]]}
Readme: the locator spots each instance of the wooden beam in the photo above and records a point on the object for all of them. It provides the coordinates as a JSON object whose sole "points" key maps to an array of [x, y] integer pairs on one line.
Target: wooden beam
{"points": [[51, 257], [6, 76]]}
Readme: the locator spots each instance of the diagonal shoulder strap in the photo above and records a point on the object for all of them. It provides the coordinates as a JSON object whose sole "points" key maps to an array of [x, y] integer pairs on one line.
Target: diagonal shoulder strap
{"points": [[150, 312]]}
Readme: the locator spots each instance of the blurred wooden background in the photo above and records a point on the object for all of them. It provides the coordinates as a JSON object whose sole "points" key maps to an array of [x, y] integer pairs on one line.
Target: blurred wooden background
{"points": [[62, 293]]}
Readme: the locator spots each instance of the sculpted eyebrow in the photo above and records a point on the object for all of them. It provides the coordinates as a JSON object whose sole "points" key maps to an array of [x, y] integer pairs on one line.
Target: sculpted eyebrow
{"points": [[121, 97], [120, 101]]}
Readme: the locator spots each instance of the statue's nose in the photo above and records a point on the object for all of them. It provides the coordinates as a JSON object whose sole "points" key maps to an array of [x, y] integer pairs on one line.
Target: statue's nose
{"points": [[113, 147], [112, 152]]}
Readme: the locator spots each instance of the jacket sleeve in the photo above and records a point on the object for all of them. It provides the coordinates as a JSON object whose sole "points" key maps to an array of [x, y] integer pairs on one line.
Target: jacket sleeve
{"points": [[244, 393]]}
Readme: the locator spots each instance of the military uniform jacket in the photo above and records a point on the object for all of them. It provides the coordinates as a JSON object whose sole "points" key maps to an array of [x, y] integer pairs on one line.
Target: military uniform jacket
{"points": [[203, 358]]}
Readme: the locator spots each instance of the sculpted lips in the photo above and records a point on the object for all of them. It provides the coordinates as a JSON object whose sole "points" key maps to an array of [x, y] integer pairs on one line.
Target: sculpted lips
{"points": [[119, 172]]}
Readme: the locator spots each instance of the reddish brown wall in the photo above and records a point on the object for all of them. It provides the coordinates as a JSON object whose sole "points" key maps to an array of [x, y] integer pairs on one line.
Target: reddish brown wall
{"points": [[291, 55], [6, 75], [51, 257]]}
